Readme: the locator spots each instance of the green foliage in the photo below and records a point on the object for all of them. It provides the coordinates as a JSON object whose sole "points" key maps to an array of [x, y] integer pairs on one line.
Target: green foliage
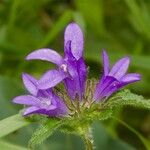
{"points": [[44, 131], [126, 98], [101, 138], [6, 146], [12, 124], [123, 99], [61, 141]]}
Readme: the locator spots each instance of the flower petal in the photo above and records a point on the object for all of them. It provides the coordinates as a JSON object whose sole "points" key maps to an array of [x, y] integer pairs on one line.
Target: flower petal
{"points": [[30, 83], [26, 100], [52, 107], [46, 54], [127, 79], [70, 85], [131, 77], [120, 68], [74, 34], [68, 52], [50, 79], [115, 86], [30, 110], [105, 62], [72, 82], [102, 87], [56, 109], [36, 110], [75, 85], [82, 73], [61, 107]]}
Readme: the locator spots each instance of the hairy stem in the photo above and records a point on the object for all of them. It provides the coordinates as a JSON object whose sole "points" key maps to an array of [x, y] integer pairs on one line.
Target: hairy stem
{"points": [[88, 140]]}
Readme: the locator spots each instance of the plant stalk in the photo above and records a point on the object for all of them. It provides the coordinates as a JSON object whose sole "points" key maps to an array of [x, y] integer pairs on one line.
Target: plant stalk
{"points": [[88, 140]]}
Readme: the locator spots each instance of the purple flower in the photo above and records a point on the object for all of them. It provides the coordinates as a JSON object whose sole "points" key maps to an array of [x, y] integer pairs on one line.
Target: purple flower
{"points": [[114, 79], [44, 102], [71, 68]]}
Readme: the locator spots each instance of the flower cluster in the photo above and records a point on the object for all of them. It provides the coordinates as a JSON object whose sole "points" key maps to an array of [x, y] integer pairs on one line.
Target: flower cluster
{"points": [[72, 71]]}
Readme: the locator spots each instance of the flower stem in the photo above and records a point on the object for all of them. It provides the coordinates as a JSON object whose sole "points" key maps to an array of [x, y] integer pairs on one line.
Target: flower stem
{"points": [[88, 140]]}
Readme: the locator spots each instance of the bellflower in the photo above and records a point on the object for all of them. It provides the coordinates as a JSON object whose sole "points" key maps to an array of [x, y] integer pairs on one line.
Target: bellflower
{"points": [[71, 68], [44, 102], [114, 79]]}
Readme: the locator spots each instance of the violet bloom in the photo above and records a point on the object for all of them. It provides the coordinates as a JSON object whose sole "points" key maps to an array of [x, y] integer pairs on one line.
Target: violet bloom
{"points": [[114, 79], [71, 68], [40, 101]]}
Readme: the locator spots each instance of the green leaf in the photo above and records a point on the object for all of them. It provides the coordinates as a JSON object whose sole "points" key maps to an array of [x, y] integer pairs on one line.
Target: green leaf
{"points": [[6, 146], [44, 131], [103, 115], [109, 108], [126, 98], [12, 124]]}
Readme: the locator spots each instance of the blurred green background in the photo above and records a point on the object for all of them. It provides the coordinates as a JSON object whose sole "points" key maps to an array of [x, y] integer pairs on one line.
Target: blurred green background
{"points": [[120, 26]]}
